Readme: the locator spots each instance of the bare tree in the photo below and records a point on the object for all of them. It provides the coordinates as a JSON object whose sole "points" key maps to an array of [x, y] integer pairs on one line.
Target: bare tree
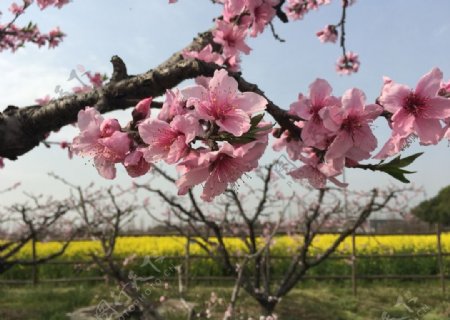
{"points": [[104, 213], [251, 213], [30, 222]]}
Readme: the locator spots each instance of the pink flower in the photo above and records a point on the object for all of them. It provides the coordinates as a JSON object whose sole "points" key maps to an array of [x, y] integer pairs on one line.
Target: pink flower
{"points": [[328, 34], [218, 168], [348, 64], [16, 9], [43, 101], [231, 37], [317, 172], [415, 112], [234, 63], [232, 8], [293, 147], [168, 142], [57, 3], [102, 140], [261, 14], [206, 54], [296, 9], [142, 110], [83, 89], [175, 104], [135, 164], [55, 37], [354, 138], [96, 80], [394, 145], [310, 109], [222, 103]]}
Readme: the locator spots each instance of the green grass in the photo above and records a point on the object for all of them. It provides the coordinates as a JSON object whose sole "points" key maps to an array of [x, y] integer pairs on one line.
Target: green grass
{"points": [[206, 267], [42, 302], [312, 301]]}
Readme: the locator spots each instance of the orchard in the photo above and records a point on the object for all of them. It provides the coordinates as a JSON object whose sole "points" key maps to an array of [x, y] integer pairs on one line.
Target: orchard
{"points": [[253, 84]]}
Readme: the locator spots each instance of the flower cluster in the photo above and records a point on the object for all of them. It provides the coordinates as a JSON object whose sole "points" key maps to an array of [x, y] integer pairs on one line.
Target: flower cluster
{"points": [[348, 64], [214, 133], [95, 81], [12, 36], [46, 3], [210, 130], [328, 34], [103, 140], [240, 18], [336, 132], [415, 113], [296, 9]]}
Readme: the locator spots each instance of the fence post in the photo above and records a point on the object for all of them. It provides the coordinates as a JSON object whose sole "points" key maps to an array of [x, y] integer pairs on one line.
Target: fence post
{"points": [[187, 262], [34, 267], [440, 258], [354, 263]]}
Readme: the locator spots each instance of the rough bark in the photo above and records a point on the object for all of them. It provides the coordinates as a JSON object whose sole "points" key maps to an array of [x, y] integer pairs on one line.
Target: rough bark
{"points": [[22, 129]]}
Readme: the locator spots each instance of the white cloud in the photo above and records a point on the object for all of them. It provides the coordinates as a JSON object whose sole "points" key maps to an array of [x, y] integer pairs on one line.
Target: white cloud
{"points": [[24, 79]]}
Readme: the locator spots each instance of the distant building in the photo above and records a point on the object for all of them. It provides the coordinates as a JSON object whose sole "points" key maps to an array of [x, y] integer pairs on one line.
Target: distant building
{"points": [[399, 225]]}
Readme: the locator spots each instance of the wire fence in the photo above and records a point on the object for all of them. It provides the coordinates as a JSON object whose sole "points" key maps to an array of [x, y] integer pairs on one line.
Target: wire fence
{"points": [[186, 261]]}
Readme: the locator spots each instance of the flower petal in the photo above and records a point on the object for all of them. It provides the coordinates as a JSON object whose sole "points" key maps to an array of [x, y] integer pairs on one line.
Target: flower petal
{"points": [[236, 122], [105, 167], [429, 84], [192, 178], [353, 99], [429, 130], [402, 123], [222, 87], [341, 144], [250, 102], [438, 108], [319, 90], [393, 96]]}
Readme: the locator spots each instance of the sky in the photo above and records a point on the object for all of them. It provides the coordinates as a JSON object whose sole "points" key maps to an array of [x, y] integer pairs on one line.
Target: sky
{"points": [[400, 39]]}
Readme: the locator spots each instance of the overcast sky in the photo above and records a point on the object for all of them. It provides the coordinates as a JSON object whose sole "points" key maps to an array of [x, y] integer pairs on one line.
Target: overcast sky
{"points": [[400, 39]]}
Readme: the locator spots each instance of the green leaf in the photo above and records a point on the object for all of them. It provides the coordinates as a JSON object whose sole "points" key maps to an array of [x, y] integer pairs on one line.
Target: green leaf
{"points": [[256, 120], [398, 173], [398, 162], [394, 167]]}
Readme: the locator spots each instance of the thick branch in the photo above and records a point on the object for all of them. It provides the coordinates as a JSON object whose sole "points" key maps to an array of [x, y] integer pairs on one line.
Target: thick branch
{"points": [[21, 129]]}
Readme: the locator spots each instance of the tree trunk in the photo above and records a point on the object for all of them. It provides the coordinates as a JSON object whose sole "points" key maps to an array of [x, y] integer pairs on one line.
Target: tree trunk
{"points": [[267, 306], [141, 312], [150, 315]]}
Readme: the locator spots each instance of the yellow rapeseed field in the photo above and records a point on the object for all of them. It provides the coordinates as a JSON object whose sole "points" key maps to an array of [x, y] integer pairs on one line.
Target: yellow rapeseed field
{"points": [[175, 246]]}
